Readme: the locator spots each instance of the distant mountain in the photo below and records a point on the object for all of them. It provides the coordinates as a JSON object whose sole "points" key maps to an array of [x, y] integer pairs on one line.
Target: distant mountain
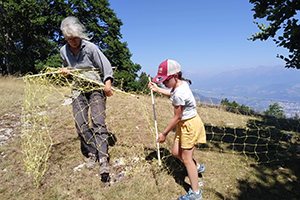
{"points": [[276, 82], [205, 99]]}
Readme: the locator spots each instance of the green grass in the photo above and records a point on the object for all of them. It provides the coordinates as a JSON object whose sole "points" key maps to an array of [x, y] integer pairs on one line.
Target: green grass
{"points": [[228, 176]]}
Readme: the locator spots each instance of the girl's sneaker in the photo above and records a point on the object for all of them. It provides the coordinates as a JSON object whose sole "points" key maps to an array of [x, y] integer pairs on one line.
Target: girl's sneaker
{"points": [[191, 195], [201, 168]]}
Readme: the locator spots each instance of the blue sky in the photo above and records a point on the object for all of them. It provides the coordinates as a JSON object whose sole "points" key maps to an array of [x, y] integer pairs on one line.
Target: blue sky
{"points": [[205, 36]]}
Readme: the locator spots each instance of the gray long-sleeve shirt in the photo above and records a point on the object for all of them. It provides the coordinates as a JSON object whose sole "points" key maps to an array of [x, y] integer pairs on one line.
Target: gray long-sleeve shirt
{"points": [[89, 58]]}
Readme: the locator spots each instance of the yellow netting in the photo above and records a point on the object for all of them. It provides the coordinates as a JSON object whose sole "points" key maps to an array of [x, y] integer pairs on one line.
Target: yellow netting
{"points": [[44, 111], [46, 95]]}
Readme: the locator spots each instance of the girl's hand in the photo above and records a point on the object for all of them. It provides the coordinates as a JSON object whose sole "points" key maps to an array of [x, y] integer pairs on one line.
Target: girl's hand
{"points": [[64, 71], [161, 138], [153, 87]]}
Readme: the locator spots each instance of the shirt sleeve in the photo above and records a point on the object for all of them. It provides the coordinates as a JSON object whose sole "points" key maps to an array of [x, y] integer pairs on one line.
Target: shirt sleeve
{"points": [[178, 101], [100, 61]]}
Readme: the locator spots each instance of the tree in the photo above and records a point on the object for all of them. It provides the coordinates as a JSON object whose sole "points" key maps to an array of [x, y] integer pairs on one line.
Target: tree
{"points": [[275, 111], [31, 36], [28, 33], [236, 108], [282, 17], [296, 116], [142, 83], [225, 102]]}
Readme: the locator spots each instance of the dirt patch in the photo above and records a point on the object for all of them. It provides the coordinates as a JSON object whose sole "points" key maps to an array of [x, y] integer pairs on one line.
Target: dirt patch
{"points": [[10, 127]]}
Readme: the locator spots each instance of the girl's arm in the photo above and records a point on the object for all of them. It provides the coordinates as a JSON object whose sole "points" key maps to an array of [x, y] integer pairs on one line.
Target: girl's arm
{"points": [[177, 118], [155, 88]]}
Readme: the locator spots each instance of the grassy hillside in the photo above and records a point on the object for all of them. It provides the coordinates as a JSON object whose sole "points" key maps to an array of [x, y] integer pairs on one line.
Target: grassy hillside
{"points": [[135, 172]]}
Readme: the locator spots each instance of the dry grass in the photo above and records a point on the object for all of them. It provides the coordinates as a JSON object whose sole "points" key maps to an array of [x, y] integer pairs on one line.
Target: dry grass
{"points": [[228, 176], [217, 116], [12, 94]]}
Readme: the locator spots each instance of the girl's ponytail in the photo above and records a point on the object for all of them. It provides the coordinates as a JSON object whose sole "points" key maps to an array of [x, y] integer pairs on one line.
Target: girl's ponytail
{"points": [[184, 79]]}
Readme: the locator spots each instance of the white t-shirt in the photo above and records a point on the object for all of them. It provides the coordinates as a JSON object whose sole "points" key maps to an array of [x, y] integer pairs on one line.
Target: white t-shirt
{"points": [[183, 96]]}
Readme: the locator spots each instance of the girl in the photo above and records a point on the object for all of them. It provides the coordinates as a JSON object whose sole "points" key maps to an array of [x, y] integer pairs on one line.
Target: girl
{"points": [[190, 129]]}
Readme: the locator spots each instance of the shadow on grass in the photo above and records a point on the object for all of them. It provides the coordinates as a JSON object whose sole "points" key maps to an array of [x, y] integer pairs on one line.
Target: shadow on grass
{"points": [[275, 182], [171, 164]]}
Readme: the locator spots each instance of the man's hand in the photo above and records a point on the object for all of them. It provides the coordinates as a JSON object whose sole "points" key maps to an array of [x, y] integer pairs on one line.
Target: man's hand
{"points": [[107, 89], [64, 71]]}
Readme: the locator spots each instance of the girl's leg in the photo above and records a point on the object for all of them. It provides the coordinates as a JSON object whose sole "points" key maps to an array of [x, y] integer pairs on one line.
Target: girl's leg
{"points": [[187, 159], [186, 156], [176, 151]]}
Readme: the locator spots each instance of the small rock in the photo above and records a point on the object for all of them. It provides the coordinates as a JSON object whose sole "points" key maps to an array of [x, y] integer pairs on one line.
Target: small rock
{"points": [[78, 168], [67, 102], [3, 138]]}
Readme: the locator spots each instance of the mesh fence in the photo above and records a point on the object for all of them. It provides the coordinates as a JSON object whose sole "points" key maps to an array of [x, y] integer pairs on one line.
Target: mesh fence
{"points": [[246, 129], [240, 130]]}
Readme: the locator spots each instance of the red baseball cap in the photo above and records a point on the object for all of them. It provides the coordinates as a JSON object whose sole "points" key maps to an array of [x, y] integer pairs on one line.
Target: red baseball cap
{"points": [[165, 69]]}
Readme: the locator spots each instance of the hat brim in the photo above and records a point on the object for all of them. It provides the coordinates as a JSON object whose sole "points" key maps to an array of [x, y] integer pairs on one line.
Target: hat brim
{"points": [[159, 79]]}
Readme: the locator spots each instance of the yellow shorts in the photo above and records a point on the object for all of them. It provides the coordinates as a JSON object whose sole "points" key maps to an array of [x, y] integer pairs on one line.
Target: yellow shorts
{"points": [[190, 132]]}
